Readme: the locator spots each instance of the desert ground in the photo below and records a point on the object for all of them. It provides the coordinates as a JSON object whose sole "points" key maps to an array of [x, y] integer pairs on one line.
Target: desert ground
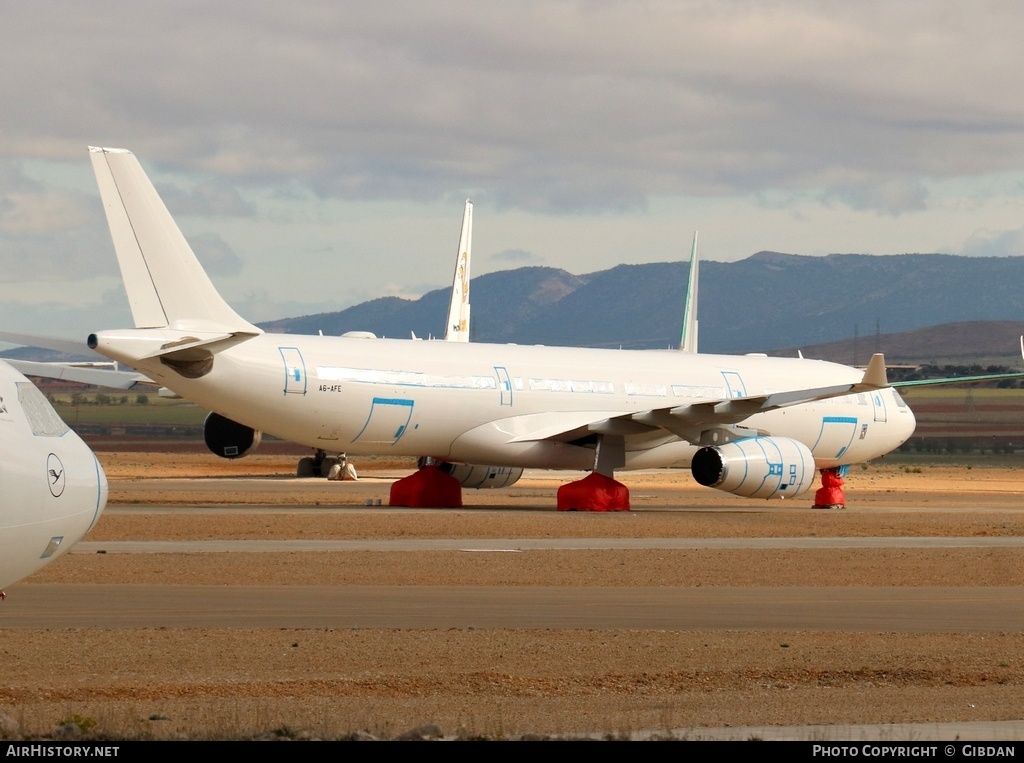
{"points": [[229, 682]]}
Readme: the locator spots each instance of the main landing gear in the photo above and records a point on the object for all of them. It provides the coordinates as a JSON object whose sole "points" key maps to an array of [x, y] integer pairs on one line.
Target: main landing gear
{"points": [[321, 465], [427, 488], [830, 495], [599, 490]]}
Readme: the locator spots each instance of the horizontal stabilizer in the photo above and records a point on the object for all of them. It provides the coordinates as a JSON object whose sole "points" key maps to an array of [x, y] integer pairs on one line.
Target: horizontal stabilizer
{"points": [[186, 347], [68, 346], [172, 348]]}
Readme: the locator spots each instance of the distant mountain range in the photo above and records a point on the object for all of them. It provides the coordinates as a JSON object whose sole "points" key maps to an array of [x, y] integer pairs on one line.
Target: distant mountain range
{"points": [[765, 302], [916, 308], [969, 343]]}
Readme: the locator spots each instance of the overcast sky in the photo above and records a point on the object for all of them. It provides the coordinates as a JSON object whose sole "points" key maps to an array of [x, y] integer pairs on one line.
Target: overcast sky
{"points": [[318, 154]]}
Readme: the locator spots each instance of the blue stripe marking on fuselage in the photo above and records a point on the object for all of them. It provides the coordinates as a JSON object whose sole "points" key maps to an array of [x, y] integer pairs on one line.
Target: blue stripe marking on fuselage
{"points": [[391, 401]]}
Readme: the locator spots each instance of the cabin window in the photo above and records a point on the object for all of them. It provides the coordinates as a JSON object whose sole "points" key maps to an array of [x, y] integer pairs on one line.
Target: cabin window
{"points": [[42, 419]]}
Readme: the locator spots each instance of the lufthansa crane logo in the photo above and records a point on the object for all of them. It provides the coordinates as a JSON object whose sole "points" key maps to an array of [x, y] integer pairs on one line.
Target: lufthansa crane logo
{"points": [[55, 475]]}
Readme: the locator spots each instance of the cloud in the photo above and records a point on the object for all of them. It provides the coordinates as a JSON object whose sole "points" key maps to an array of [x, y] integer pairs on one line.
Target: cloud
{"points": [[514, 257], [553, 107], [325, 137], [259, 306], [403, 291], [57, 256], [994, 243], [27, 214], [14, 180], [891, 196], [206, 199], [50, 312]]}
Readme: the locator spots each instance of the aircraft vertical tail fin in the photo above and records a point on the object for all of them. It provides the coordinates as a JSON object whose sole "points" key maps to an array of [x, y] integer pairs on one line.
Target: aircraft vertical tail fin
{"points": [[166, 285], [457, 327], [688, 340]]}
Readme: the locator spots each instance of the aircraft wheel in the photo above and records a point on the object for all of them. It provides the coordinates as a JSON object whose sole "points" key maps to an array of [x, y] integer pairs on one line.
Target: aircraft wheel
{"points": [[326, 464], [306, 468]]}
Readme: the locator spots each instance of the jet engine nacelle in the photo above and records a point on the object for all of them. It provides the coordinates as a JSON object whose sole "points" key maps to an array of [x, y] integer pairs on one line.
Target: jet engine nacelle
{"points": [[756, 467], [480, 477], [229, 439]]}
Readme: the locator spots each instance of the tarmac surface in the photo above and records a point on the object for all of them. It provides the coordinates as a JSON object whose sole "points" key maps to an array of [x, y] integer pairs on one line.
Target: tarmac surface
{"points": [[576, 624], [897, 610]]}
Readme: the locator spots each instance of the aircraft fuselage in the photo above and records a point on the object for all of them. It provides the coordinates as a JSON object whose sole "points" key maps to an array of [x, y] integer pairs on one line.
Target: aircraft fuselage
{"points": [[498, 404]]}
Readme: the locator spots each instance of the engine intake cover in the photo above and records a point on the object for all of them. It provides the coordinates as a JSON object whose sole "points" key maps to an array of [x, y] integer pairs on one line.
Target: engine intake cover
{"points": [[756, 467], [482, 477], [229, 439]]}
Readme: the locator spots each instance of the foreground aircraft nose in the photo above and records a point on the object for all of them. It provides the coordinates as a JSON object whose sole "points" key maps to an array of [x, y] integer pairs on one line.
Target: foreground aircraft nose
{"points": [[54, 489], [57, 494]]}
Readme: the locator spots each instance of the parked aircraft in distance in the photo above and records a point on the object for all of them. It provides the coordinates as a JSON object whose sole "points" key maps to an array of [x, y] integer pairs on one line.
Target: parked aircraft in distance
{"points": [[53, 488], [751, 425], [456, 328], [688, 337]]}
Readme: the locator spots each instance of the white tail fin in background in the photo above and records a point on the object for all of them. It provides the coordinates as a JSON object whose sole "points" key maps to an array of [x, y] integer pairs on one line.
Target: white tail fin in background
{"points": [[166, 285], [688, 340], [457, 327]]}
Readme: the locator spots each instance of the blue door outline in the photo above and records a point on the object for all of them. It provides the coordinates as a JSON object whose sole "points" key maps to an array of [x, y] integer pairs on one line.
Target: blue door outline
{"points": [[504, 385], [294, 371], [388, 421], [734, 383], [834, 426], [878, 403]]}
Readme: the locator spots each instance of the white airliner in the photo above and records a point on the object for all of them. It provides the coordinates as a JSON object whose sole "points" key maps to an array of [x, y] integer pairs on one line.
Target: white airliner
{"points": [[52, 488], [751, 425]]}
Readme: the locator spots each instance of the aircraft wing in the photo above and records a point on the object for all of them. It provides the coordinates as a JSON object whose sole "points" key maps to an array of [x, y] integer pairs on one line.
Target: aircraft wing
{"points": [[100, 377], [688, 421], [957, 380], [962, 379]]}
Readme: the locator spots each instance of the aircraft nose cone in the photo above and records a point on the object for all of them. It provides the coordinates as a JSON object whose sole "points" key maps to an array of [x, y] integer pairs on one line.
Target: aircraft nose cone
{"points": [[102, 492], [909, 425]]}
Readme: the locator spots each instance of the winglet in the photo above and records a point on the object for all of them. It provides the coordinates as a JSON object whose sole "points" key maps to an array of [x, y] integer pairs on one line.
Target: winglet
{"points": [[688, 340], [457, 327], [874, 374]]}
